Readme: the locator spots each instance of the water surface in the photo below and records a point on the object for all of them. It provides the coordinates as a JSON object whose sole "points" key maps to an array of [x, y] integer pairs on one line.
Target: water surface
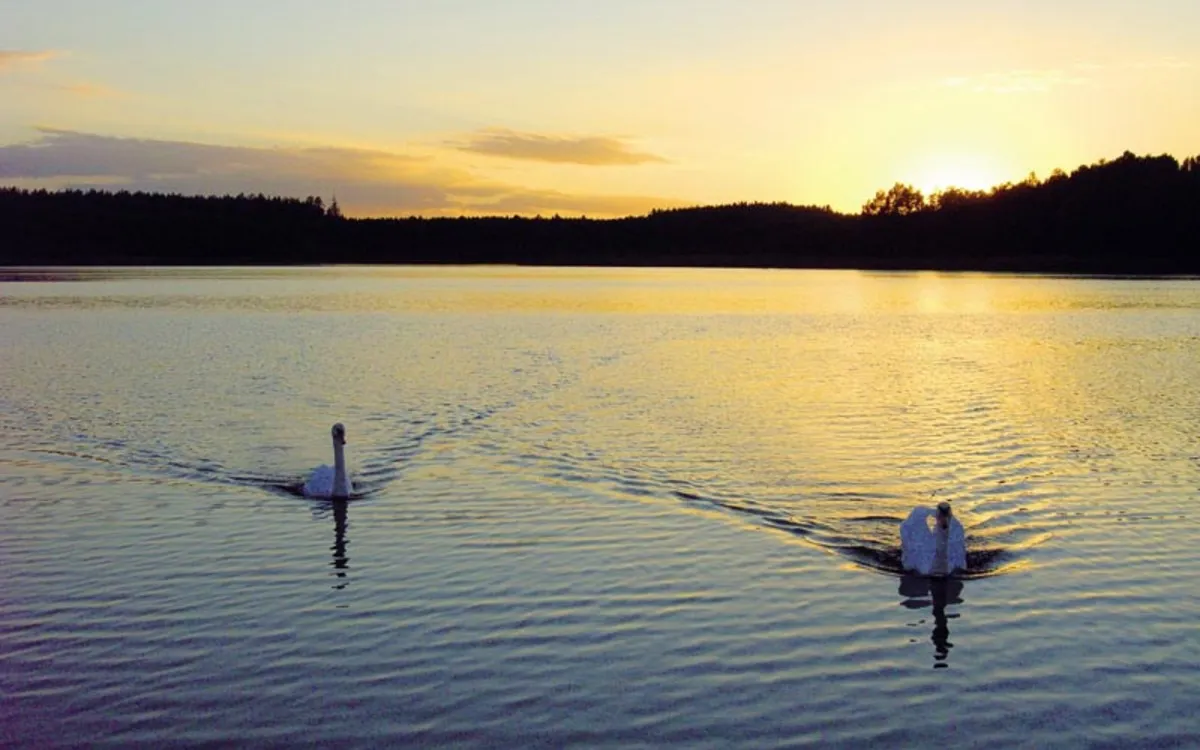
{"points": [[595, 507]]}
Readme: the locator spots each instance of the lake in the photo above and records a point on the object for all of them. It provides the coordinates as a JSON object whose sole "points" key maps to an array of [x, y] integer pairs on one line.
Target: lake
{"points": [[595, 507]]}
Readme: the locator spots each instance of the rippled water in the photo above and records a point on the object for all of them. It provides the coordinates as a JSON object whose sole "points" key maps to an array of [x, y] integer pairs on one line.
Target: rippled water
{"points": [[595, 507]]}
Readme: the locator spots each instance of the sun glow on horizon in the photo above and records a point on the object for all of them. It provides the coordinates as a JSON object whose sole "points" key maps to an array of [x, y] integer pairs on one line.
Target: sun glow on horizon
{"points": [[968, 171]]}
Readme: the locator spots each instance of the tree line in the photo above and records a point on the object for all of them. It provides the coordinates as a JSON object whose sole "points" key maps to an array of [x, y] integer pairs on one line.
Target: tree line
{"points": [[1133, 214]]}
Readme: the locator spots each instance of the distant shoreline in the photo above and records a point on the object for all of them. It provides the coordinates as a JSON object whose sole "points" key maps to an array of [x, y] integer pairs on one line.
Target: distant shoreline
{"points": [[67, 273], [1134, 216]]}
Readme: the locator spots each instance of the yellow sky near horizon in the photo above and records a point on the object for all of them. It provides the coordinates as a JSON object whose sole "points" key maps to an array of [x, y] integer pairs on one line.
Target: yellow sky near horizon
{"points": [[581, 107]]}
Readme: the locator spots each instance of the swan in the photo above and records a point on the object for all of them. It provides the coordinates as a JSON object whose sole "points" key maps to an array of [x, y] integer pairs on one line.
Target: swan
{"points": [[937, 552], [331, 483]]}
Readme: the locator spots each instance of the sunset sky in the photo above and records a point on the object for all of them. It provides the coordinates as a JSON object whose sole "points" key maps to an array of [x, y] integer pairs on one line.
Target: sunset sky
{"points": [[596, 107]]}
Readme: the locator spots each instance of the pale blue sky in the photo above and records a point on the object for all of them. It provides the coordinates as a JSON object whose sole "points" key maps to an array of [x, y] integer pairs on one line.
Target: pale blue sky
{"points": [[587, 107]]}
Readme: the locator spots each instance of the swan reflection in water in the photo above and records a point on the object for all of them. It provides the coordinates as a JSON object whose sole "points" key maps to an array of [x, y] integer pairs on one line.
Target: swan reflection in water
{"points": [[920, 592], [341, 561]]}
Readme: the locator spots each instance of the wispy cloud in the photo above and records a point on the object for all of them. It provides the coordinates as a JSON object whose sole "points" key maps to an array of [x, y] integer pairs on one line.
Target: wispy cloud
{"points": [[89, 90], [367, 182], [10, 58], [589, 150], [1040, 81], [1020, 81], [1163, 63]]}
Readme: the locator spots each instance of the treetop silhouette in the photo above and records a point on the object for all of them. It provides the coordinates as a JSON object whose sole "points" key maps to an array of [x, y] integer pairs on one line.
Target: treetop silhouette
{"points": [[1134, 214]]}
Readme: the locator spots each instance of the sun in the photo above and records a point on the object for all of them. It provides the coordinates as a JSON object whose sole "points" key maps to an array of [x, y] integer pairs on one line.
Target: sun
{"points": [[961, 170]]}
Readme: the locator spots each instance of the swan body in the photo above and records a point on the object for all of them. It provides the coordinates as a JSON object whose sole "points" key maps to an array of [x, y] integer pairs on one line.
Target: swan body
{"points": [[331, 483], [933, 552]]}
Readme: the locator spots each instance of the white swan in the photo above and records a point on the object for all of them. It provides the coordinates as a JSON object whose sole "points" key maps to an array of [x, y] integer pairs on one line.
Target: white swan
{"points": [[331, 483], [936, 552]]}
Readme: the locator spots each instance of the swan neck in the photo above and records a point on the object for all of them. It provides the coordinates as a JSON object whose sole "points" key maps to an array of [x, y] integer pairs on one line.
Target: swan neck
{"points": [[339, 469], [941, 548]]}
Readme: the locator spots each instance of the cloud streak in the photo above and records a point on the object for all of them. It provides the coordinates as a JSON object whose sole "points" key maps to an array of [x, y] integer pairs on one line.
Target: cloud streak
{"points": [[89, 90], [367, 182], [10, 58], [1041, 81], [1019, 81], [586, 150]]}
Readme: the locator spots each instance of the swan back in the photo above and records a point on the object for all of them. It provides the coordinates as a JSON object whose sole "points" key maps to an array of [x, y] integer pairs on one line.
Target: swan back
{"points": [[928, 551], [956, 547], [320, 482], [917, 544]]}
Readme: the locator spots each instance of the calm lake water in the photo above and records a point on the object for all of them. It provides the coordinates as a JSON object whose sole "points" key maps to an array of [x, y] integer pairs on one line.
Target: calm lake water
{"points": [[596, 508]]}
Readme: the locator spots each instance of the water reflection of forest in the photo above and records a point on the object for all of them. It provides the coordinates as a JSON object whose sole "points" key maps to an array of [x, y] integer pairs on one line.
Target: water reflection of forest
{"points": [[1130, 215]]}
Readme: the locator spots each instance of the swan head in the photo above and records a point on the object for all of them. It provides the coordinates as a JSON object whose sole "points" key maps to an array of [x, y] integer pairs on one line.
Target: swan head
{"points": [[339, 434], [943, 515]]}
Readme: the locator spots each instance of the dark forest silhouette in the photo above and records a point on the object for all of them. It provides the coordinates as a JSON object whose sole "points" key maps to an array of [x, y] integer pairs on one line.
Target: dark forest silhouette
{"points": [[1136, 215]]}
